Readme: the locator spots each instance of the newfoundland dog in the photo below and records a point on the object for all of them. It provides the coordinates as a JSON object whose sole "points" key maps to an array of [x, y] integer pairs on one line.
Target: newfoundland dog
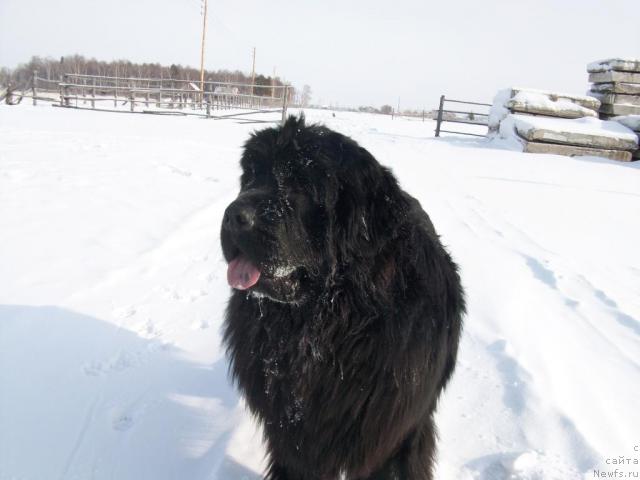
{"points": [[342, 329]]}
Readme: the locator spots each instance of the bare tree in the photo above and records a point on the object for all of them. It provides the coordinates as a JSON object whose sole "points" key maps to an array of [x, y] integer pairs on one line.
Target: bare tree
{"points": [[20, 77]]}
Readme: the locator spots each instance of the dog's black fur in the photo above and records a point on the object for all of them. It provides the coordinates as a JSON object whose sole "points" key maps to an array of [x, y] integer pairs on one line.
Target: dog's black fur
{"points": [[351, 333]]}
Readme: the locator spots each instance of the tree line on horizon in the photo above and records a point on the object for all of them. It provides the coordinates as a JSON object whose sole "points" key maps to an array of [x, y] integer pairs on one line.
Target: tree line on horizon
{"points": [[52, 69]]}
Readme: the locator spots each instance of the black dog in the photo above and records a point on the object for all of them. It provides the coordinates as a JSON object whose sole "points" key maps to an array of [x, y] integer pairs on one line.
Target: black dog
{"points": [[344, 323]]}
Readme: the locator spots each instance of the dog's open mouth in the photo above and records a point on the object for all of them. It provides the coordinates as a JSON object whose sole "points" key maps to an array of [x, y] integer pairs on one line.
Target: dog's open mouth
{"points": [[242, 273]]}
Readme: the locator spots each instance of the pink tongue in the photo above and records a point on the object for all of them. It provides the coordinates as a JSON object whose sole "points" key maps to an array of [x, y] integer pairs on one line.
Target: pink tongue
{"points": [[242, 274]]}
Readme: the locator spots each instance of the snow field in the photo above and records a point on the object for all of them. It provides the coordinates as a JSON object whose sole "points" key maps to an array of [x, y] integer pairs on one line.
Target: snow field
{"points": [[113, 288]]}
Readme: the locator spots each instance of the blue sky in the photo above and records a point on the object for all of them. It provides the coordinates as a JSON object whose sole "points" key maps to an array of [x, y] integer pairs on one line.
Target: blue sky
{"points": [[350, 52]]}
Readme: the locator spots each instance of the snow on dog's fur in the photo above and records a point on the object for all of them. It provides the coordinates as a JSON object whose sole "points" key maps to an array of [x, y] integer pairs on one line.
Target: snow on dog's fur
{"points": [[344, 322]]}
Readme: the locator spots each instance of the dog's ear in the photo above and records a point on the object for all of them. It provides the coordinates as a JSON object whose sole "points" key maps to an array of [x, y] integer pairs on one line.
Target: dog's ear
{"points": [[369, 207], [290, 130]]}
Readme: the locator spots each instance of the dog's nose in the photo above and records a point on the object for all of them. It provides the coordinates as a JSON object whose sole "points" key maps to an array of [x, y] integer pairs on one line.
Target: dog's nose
{"points": [[239, 216]]}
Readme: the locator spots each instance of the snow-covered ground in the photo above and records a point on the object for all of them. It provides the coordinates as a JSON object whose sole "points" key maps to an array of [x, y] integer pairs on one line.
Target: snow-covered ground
{"points": [[112, 290]]}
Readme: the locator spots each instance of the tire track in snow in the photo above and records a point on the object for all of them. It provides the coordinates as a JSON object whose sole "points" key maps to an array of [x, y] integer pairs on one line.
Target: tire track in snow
{"points": [[88, 419], [147, 259], [547, 275], [520, 388]]}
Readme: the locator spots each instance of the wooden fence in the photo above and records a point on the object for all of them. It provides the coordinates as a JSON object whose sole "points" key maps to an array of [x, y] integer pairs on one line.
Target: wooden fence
{"points": [[158, 96], [459, 116]]}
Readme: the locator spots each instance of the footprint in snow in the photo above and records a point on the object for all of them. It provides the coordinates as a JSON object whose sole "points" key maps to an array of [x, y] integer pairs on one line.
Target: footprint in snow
{"points": [[120, 361], [189, 297], [122, 423], [175, 170], [541, 272], [527, 465], [148, 329], [200, 325], [124, 312]]}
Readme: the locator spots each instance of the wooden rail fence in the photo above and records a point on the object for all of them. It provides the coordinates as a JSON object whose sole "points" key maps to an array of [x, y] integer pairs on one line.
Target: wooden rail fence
{"points": [[158, 96]]}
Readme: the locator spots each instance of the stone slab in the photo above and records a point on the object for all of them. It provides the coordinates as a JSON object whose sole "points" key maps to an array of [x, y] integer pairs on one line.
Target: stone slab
{"points": [[616, 64], [572, 151], [556, 136], [582, 100], [614, 98], [613, 76], [619, 109], [619, 87], [524, 107], [551, 104]]}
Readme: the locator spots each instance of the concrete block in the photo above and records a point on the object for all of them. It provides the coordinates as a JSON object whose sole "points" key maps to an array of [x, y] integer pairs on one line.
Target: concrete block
{"points": [[616, 64], [566, 137], [585, 132], [551, 104], [625, 88], [615, 98], [620, 109], [572, 112], [613, 76], [582, 100], [572, 151]]}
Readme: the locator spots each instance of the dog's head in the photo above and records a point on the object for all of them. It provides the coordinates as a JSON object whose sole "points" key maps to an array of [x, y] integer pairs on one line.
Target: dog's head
{"points": [[312, 202]]}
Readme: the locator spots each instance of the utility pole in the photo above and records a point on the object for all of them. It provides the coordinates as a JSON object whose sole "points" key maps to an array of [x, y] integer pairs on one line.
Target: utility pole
{"points": [[253, 70], [204, 32]]}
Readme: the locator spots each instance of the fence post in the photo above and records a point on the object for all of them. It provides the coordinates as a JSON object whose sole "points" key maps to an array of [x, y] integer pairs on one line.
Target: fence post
{"points": [[34, 87], [93, 94], [8, 99], [67, 102], [207, 99], [131, 98], [439, 121], [285, 94], [61, 92]]}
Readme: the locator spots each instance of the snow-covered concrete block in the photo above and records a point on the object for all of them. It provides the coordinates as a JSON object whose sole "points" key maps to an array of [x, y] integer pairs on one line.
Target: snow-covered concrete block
{"points": [[632, 122], [529, 93], [545, 106], [614, 76], [540, 102], [619, 87], [629, 121], [574, 151], [617, 98], [586, 132], [620, 109], [499, 110], [616, 64]]}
